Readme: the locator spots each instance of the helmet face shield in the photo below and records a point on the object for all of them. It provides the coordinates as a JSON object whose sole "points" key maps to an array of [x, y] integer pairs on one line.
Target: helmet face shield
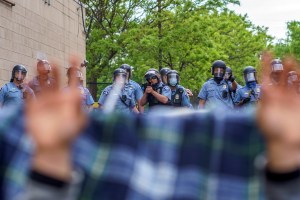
{"points": [[250, 77], [120, 78], [150, 75], [218, 72], [43, 67], [227, 75], [292, 78], [20, 75], [78, 74], [47, 66], [172, 79], [277, 67]]}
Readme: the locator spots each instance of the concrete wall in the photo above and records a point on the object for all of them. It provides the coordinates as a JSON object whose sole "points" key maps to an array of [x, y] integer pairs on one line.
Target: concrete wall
{"points": [[33, 26]]}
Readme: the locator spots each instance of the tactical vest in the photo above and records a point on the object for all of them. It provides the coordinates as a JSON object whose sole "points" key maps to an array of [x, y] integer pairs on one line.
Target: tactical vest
{"points": [[176, 98], [152, 100]]}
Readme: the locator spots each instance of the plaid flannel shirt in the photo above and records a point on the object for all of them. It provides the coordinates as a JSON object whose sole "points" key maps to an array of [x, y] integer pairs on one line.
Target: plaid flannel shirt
{"points": [[191, 155]]}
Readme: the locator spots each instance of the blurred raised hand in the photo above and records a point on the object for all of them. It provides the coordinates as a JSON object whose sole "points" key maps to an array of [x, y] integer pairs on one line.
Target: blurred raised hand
{"points": [[278, 115], [53, 121]]}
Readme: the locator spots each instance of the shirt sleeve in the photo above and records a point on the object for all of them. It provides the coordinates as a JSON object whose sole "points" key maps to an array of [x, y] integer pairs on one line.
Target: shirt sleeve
{"points": [[89, 98], [166, 91], [238, 97], [2, 93], [203, 93], [103, 96], [185, 99], [138, 92]]}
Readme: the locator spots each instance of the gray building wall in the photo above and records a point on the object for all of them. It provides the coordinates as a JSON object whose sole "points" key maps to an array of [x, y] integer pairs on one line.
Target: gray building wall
{"points": [[33, 27]]}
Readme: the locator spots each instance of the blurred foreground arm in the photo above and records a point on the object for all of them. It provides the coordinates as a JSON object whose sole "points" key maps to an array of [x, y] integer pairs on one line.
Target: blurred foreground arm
{"points": [[278, 117], [53, 122]]}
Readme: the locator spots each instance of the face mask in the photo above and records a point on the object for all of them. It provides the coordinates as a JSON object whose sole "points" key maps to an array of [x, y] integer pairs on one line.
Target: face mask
{"points": [[218, 79], [173, 81], [251, 85]]}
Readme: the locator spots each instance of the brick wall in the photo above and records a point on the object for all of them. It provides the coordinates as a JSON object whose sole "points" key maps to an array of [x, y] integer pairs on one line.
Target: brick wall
{"points": [[33, 26]]}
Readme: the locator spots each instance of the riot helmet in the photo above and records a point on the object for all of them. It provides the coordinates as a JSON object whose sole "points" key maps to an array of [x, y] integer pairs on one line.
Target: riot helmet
{"points": [[43, 67], [150, 75], [163, 73], [228, 73], [276, 65], [120, 76], [218, 69], [173, 78], [156, 72], [75, 73], [276, 70], [19, 73], [292, 77], [128, 69], [250, 74]]}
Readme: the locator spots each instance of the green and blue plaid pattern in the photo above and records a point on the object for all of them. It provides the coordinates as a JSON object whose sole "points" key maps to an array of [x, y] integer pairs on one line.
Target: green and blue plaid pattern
{"points": [[179, 155]]}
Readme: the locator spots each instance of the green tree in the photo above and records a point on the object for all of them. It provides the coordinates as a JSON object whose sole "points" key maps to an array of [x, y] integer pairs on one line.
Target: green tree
{"points": [[290, 44], [183, 35]]}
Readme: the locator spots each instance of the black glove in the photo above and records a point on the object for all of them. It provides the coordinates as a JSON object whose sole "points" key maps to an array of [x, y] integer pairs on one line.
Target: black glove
{"points": [[231, 78], [246, 100]]}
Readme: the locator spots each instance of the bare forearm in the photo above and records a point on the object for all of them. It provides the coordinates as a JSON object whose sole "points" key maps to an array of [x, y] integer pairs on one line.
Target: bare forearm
{"points": [[144, 99], [161, 98], [201, 103], [234, 86]]}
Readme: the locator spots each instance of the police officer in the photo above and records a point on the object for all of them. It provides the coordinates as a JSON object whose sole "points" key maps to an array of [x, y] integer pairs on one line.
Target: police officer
{"points": [[215, 91], [230, 80], [163, 74], [276, 71], [179, 96], [147, 83], [16, 92], [86, 97], [251, 92], [125, 99], [155, 93], [292, 79], [43, 69], [138, 92]]}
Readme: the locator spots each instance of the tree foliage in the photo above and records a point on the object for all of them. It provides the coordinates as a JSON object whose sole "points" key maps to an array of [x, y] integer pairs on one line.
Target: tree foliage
{"points": [[290, 44], [185, 35]]}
